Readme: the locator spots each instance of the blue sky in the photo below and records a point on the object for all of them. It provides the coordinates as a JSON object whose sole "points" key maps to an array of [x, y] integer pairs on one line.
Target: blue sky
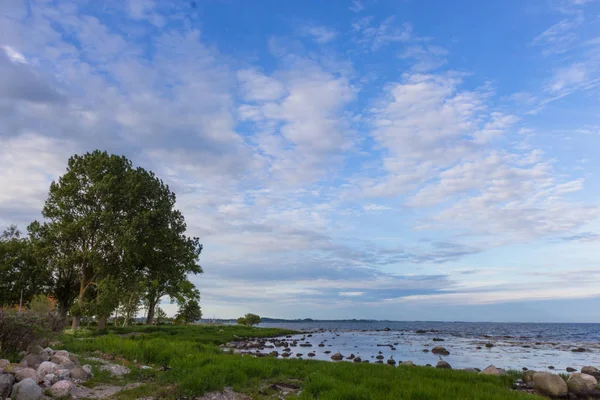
{"points": [[342, 159]]}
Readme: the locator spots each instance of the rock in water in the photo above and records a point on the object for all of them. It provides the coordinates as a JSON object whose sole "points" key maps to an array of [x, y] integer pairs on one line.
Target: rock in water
{"points": [[492, 370], [391, 361], [27, 389], [6, 384], [550, 384], [443, 365], [357, 360], [570, 369], [337, 357], [440, 350], [581, 384], [61, 389], [24, 373]]}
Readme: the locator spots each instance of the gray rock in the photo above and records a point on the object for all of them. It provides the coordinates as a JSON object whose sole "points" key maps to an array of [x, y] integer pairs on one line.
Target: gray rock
{"points": [[58, 359], [550, 384], [492, 370], [591, 371], [87, 368], [27, 389], [337, 357], [62, 353], [6, 385], [61, 375], [4, 363], [49, 351], [581, 384], [31, 360], [25, 373], [571, 369], [440, 350], [443, 365], [45, 368], [61, 389], [48, 380]]}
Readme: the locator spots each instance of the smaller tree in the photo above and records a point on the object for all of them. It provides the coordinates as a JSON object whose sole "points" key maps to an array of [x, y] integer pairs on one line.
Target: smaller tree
{"points": [[189, 312], [249, 320], [160, 316]]}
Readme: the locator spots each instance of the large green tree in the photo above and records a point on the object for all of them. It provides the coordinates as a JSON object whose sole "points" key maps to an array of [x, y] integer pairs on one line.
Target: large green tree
{"points": [[111, 225]]}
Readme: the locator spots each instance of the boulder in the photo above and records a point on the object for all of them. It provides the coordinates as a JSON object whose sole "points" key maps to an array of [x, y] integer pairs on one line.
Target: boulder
{"points": [[62, 353], [528, 376], [337, 357], [27, 389], [48, 380], [4, 363], [591, 371], [31, 360], [492, 370], [357, 360], [391, 361], [49, 351], [581, 384], [61, 375], [58, 359], [443, 365], [409, 363], [25, 373], [6, 384], [61, 389], [45, 368], [440, 350], [78, 373], [550, 384]]}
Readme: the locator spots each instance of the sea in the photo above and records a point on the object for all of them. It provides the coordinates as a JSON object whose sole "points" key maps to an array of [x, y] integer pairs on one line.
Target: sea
{"points": [[552, 347]]}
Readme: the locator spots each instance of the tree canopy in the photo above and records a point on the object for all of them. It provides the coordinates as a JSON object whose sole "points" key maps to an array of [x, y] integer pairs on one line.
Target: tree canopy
{"points": [[111, 239], [249, 319]]}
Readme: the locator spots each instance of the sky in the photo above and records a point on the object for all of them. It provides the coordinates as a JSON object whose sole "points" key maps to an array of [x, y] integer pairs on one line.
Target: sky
{"points": [[379, 159]]}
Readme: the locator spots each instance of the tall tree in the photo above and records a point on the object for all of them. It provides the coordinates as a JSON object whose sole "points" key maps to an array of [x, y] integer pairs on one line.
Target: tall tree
{"points": [[21, 277]]}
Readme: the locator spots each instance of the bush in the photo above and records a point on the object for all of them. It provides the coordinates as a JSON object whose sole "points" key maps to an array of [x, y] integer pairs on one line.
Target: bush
{"points": [[249, 320], [20, 330]]}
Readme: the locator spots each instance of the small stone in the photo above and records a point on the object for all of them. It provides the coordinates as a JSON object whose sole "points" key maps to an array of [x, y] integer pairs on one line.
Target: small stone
{"points": [[61, 389], [78, 373], [26, 373], [27, 389], [379, 357], [357, 359], [408, 363], [443, 365], [581, 384], [350, 357], [337, 357], [62, 374], [570, 369], [425, 350], [550, 384], [391, 361], [551, 367], [87, 368], [489, 345], [440, 350], [274, 353], [492, 370]]}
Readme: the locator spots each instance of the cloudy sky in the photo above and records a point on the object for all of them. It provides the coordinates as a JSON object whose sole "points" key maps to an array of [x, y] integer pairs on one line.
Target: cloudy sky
{"points": [[385, 159]]}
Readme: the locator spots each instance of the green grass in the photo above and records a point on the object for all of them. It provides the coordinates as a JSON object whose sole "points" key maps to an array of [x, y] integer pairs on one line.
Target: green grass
{"points": [[198, 366]]}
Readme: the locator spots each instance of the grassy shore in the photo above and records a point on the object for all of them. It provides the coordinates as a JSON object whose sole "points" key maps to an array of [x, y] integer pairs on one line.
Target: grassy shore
{"points": [[197, 366]]}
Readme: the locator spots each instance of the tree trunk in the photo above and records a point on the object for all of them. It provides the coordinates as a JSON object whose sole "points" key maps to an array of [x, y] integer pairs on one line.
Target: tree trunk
{"points": [[76, 322], [86, 278], [151, 309], [102, 322]]}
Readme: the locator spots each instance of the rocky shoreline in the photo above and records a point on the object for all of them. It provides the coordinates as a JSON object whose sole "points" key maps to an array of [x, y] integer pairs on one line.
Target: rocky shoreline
{"points": [[578, 384]]}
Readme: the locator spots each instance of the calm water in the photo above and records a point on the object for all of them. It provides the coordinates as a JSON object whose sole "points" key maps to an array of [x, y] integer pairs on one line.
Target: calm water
{"points": [[516, 345]]}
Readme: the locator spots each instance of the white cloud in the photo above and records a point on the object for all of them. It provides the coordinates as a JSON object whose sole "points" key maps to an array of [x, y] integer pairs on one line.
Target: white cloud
{"points": [[356, 6], [375, 36], [319, 34]]}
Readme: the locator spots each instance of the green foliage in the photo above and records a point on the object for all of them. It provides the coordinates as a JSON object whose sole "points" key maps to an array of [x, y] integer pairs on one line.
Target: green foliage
{"points": [[198, 366], [160, 316], [249, 319], [189, 312], [21, 276], [21, 329]]}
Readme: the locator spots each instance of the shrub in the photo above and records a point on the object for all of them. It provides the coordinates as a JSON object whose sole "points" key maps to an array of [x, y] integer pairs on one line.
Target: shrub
{"points": [[20, 330], [249, 320]]}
